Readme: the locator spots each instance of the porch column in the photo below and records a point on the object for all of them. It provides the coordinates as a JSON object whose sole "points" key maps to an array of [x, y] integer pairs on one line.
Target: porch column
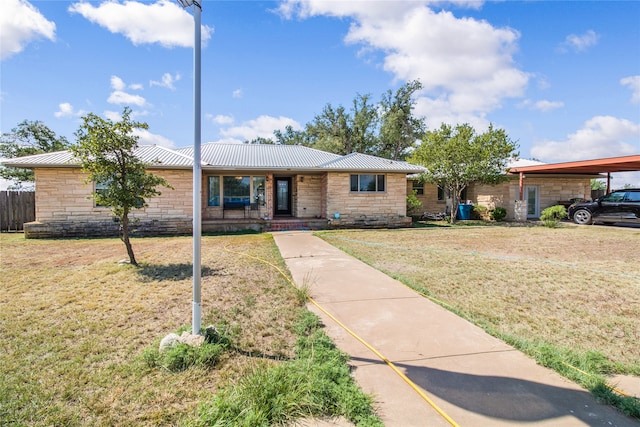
{"points": [[521, 186]]}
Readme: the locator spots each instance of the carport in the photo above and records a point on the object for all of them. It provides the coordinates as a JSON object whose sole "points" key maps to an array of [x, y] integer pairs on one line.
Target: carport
{"points": [[583, 167]]}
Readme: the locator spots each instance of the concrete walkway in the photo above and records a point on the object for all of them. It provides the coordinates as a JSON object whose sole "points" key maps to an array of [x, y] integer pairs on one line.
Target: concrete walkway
{"points": [[473, 378]]}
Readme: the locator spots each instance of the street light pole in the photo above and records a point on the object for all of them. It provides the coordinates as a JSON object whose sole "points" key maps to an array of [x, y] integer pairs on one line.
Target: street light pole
{"points": [[196, 318]]}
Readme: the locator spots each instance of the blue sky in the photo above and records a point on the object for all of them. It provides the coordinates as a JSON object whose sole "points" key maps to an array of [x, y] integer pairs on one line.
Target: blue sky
{"points": [[563, 78]]}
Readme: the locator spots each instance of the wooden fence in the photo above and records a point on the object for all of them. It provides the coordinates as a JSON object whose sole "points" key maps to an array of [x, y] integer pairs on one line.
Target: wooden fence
{"points": [[16, 208]]}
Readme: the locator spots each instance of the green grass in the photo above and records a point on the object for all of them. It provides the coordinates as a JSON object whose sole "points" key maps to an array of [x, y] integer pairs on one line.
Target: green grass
{"points": [[80, 330], [316, 383], [566, 296]]}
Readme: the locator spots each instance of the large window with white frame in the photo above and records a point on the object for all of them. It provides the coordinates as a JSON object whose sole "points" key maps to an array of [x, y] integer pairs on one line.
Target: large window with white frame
{"points": [[368, 183]]}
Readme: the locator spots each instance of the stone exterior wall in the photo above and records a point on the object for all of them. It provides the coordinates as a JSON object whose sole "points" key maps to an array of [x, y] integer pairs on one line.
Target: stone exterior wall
{"points": [[551, 190], [429, 198], [308, 200], [64, 207], [366, 209]]}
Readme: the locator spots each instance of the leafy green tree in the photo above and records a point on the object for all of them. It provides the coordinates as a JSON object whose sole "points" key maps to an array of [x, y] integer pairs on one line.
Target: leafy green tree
{"points": [[457, 157], [290, 136], [106, 151], [399, 128], [597, 184], [339, 131], [26, 139]]}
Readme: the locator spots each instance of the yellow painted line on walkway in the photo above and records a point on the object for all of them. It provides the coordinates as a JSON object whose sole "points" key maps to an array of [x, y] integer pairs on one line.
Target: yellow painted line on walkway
{"points": [[360, 339]]}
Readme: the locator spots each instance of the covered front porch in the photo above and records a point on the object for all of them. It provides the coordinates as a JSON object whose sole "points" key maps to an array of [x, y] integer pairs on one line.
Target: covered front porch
{"points": [[260, 197]]}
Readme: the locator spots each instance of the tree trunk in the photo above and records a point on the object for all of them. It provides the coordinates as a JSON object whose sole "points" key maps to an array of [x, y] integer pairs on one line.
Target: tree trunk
{"points": [[454, 204], [125, 238]]}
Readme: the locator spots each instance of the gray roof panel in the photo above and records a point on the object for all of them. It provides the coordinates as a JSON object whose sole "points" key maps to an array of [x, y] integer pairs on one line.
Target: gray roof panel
{"points": [[260, 156], [152, 154], [362, 162], [218, 156]]}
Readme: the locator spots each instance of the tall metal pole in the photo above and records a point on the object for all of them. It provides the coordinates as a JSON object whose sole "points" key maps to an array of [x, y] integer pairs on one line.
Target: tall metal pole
{"points": [[197, 176]]}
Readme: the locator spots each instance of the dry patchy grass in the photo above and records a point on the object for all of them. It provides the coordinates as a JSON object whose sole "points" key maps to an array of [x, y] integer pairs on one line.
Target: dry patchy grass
{"points": [[75, 321], [575, 287]]}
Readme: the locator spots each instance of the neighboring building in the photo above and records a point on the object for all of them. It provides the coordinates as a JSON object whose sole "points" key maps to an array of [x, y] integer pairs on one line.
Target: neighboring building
{"points": [[539, 190], [244, 186]]}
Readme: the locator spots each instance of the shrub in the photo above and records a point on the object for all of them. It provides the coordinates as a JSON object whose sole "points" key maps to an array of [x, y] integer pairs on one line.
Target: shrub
{"points": [[413, 204], [480, 212], [498, 214], [551, 216], [182, 356]]}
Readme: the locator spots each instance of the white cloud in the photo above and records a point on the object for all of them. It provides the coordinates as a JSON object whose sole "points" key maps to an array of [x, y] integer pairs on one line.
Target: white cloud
{"points": [[167, 81], [163, 22], [66, 110], [633, 83], [20, 24], [600, 137], [117, 83], [237, 93], [579, 43], [542, 105], [119, 96], [220, 119], [465, 65], [136, 86], [147, 138], [114, 116], [263, 126], [124, 98]]}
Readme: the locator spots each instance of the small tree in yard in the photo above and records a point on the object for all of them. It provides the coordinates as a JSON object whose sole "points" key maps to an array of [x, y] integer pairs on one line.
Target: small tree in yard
{"points": [[457, 157], [106, 151]]}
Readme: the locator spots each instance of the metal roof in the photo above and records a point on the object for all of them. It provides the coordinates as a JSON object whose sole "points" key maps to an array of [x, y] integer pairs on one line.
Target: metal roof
{"points": [[585, 167], [219, 156], [152, 154], [260, 156], [358, 161]]}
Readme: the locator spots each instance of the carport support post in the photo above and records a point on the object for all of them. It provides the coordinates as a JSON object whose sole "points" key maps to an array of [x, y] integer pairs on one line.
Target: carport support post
{"points": [[521, 186], [608, 182]]}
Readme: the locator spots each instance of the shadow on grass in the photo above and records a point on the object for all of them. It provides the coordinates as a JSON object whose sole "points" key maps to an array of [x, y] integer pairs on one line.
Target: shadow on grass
{"points": [[174, 272]]}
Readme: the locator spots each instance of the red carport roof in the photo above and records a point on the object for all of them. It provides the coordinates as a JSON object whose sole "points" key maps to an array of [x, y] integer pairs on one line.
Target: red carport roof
{"points": [[585, 167]]}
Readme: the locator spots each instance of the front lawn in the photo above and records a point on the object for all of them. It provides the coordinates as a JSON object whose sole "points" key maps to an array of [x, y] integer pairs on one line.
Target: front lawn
{"points": [[76, 324], [568, 296]]}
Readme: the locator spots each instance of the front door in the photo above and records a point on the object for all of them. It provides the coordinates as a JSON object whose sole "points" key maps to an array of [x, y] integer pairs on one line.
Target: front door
{"points": [[283, 196], [533, 201]]}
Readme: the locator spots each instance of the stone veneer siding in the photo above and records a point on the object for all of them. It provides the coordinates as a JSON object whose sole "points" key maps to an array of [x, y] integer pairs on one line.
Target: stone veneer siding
{"points": [[551, 190], [429, 198], [367, 209], [308, 196], [64, 207]]}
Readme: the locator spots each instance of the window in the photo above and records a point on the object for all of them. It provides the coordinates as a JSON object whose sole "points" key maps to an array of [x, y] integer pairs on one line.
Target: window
{"points": [[418, 187], [368, 183], [214, 191], [100, 187], [259, 186], [616, 196], [442, 192], [633, 196], [236, 189]]}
